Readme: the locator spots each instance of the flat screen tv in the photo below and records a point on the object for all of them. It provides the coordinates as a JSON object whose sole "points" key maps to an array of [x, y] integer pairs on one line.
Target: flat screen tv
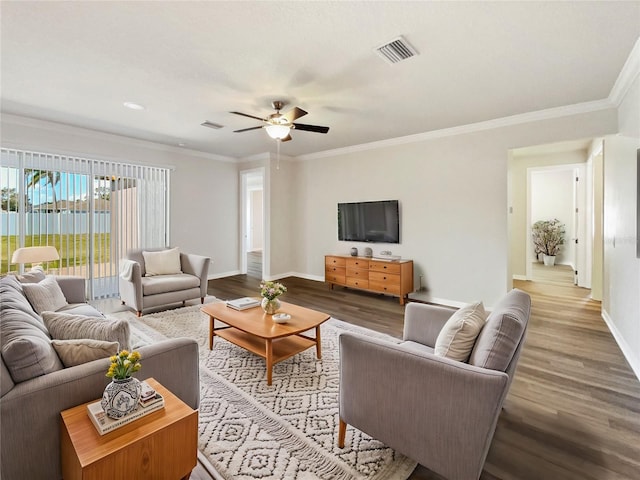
{"points": [[377, 222]]}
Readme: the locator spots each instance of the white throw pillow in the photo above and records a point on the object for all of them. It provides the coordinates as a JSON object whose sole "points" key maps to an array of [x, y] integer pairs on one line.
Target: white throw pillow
{"points": [[164, 262], [45, 295], [66, 326], [459, 334], [83, 350]]}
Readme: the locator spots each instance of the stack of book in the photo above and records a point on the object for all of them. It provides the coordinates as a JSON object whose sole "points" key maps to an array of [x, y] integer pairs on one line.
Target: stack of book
{"points": [[150, 401], [243, 303]]}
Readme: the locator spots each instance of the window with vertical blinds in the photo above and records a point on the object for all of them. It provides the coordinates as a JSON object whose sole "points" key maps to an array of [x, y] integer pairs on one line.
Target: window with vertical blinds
{"points": [[92, 211]]}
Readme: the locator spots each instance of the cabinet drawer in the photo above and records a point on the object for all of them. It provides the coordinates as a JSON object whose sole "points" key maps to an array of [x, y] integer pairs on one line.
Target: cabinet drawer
{"points": [[389, 267], [357, 272], [334, 270], [358, 282], [333, 278], [357, 263], [384, 287], [335, 261], [385, 278]]}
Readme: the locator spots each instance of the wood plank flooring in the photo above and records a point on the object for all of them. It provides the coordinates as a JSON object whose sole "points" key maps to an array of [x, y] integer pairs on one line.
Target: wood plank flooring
{"points": [[573, 411]]}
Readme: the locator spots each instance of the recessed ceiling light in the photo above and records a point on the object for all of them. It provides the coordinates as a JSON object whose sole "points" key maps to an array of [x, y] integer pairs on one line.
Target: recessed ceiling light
{"points": [[133, 106], [182, 144]]}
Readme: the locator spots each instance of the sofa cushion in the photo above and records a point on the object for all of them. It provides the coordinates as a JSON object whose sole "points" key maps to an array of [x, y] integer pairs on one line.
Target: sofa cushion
{"points": [[168, 283], [164, 262], [502, 333], [45, 295], [12, 297], [66, 326], [83, 350], [416, 347], [26, 348], [81, 309], [459, 334]]}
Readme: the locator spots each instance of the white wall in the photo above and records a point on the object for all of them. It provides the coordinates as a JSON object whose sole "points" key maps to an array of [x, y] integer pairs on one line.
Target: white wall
{"points": [[199, 184], [453, 196], [621, 295]]}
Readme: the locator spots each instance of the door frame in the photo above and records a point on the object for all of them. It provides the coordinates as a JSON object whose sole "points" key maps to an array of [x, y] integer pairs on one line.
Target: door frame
{"points": [[584, 229], [245, 177]]}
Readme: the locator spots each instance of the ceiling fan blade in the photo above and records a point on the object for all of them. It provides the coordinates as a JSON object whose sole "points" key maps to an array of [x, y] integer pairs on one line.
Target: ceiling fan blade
{"points": [[294, 113], [311, 128], [286, 139], [246, 129], [250, 116]]}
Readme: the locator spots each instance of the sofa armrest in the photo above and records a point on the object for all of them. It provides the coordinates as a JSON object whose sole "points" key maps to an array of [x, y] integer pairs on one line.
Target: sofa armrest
{"points": [[131, 290], [432, 409], [423, 322], [74, 288], [196, 265], [30, 411]]}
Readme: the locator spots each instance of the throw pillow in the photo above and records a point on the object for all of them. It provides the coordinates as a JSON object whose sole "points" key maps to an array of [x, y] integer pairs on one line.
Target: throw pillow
{"points": [[164, 262], [457, 337], [45, 295], [35, 275], [66, 326], [79, 351], [26, 348]]}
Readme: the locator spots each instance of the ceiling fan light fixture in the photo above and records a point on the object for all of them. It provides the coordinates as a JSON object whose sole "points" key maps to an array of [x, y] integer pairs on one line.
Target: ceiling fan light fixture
{"points": [[278, 132]]}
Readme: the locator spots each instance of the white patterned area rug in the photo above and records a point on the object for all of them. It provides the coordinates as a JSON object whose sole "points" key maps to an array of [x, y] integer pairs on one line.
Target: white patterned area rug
{"points": [[249, 430]]}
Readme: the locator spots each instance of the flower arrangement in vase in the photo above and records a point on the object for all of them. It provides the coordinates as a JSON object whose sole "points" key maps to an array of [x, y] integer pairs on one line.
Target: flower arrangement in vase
{"points": [[548, 237], [270, 292], [123, 393]]}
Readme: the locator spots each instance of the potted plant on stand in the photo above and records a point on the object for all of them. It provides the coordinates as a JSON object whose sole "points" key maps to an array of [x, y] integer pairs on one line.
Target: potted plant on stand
{"points": [[548, 237]]}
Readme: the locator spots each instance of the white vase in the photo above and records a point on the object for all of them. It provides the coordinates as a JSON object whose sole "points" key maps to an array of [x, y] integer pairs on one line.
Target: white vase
{"points": [[270, 306], [549, 260], [121, 397]]}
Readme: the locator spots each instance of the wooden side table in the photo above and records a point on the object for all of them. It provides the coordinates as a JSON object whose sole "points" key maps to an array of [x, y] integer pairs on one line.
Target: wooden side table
{"points": [[160, 445]]}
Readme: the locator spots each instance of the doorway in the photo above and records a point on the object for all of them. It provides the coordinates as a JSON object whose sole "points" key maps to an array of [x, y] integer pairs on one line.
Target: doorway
{"points": [[253, 231]]}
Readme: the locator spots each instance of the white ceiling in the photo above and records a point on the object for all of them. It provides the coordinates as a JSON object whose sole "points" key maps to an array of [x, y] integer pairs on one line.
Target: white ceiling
{"points": [[187, 62]]}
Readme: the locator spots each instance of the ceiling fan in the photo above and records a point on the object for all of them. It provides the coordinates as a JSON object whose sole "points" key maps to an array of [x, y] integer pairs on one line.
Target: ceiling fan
{"points": [[279, 125]]}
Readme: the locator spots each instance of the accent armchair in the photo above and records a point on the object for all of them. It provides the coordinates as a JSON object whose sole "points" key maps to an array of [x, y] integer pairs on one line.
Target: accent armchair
{"points": [[175, 277], [438, 411]]}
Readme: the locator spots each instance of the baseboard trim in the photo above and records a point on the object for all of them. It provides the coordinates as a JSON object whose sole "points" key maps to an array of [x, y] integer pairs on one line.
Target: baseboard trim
{"points": [[627, 351], [215, 276], [520, 277]]}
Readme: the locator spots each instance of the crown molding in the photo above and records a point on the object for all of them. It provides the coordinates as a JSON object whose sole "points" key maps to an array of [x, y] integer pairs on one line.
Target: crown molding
{"points": [[550, 113], [96, 134], [628, 74]]}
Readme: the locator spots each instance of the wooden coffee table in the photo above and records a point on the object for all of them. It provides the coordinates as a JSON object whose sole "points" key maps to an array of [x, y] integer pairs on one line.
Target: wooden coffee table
{"points": [[254, 330]]}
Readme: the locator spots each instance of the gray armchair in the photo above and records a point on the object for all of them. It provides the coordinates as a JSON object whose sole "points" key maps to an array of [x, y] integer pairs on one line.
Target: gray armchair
{"points": [[440, 412], [139, 291]]}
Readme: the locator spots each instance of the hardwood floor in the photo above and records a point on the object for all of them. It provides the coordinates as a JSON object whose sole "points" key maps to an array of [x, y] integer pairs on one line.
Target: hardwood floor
{"points": [[573, 411]]}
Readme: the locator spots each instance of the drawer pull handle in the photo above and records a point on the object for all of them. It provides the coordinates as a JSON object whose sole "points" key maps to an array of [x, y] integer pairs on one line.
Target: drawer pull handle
{"points": [[384, 278]]}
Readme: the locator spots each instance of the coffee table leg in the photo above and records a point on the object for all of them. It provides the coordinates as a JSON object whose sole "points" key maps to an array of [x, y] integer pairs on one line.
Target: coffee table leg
{"points": [[318, 343], [269, 360], [211, 323]]}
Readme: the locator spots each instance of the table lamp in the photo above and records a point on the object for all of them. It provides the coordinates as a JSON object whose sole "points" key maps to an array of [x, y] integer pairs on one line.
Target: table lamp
{"points": [[35, 255]]}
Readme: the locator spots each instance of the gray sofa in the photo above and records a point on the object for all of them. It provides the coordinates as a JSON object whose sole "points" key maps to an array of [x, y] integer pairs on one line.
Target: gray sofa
{"points": [[438, 411], [30, 409], [139, 291]]}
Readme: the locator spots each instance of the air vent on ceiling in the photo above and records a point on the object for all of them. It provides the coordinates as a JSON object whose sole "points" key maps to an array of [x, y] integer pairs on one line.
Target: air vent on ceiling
{"points": [[209, 124], [396, 50]]}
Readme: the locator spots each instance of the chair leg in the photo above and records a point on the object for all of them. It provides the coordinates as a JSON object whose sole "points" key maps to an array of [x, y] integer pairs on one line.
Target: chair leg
{"points": [[122, 302], [202, 300], [342, 430], [139, 313]]}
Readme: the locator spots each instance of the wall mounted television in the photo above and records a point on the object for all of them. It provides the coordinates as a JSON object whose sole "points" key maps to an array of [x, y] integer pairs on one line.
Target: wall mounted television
{"points": [[377, 222]]}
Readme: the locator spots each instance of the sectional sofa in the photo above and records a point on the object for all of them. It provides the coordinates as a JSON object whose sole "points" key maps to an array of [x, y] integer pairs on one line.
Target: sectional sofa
{"points": [[35, 386]]}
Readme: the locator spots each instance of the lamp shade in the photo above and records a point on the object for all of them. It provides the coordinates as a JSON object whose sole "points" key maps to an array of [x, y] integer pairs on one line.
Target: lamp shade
{"points": [[35, 255], [278, 131]]}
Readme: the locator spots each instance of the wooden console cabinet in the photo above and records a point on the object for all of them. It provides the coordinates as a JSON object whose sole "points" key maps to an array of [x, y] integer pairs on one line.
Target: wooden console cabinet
{"points": [[382, 276]]}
